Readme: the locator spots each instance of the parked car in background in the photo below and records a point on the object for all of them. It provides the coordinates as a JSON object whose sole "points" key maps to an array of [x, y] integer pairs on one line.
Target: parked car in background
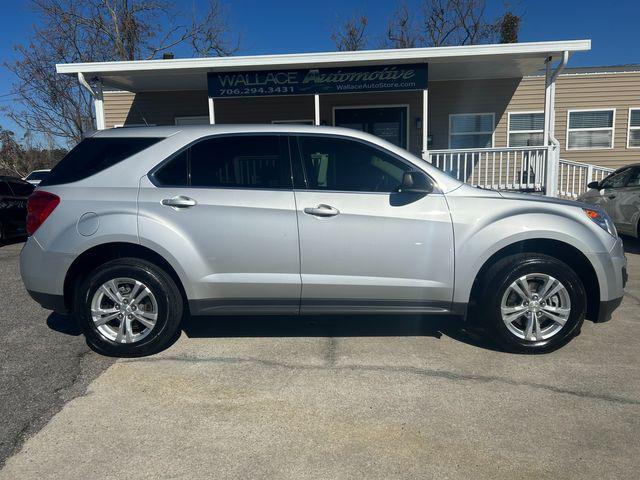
{"points": [[13, 206], [137, 225], [37, 176], [619, 195]]}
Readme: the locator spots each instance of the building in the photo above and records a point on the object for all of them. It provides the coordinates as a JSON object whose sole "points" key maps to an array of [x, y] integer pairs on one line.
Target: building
{"points": [[503, 116]]}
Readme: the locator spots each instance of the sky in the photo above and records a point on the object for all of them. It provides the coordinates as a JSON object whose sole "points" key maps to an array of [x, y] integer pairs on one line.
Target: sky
{"points": [[288, 26]]}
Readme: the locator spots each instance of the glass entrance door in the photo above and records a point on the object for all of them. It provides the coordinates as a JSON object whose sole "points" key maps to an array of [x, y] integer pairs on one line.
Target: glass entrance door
{"points": [[388, 123]]}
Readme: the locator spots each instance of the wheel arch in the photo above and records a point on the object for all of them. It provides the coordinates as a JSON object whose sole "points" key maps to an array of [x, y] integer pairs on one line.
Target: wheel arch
{"points": [[554, 248], [99, 254]]}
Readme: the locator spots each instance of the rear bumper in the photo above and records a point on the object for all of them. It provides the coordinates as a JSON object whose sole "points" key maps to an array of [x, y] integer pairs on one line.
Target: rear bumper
{"points": [[50, 301]]}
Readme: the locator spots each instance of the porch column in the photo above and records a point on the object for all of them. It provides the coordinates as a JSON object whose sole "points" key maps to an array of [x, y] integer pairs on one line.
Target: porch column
{"points": [[553, 152], [425, 125], [212, 112], [98, 106], [316, 108]]}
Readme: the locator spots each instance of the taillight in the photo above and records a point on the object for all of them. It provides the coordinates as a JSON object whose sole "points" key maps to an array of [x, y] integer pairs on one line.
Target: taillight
{"points": [[39, 206]]}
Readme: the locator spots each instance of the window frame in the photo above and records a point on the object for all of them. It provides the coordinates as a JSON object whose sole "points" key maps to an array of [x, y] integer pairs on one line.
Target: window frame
{"points": [[493, 129], [629, 127], [296, 156], [286, 152], [612, 128], [509, 131], [406, 106]]}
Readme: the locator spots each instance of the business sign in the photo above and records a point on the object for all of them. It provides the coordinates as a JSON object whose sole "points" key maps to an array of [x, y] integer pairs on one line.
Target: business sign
{"points": [[373, 78]]}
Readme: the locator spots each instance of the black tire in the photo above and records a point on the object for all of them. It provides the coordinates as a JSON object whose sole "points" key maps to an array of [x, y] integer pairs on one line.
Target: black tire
{"points": [[167, 296], [502, 274]]}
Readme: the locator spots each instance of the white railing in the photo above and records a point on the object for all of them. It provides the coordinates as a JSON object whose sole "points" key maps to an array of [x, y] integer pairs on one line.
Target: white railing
{"points": [[574, 176], [516, 168]]}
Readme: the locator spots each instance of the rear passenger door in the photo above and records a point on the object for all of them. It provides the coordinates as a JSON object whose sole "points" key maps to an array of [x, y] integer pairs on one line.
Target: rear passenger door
{"points": [[224, 208]]}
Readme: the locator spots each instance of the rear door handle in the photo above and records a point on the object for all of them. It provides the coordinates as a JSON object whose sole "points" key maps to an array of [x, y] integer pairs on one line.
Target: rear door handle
{"points": [[612, 196], [322, 210], [178, 202]]}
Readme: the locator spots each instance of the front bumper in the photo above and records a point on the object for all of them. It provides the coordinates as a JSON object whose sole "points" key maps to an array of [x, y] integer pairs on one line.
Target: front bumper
{"points": [[606, 309]]}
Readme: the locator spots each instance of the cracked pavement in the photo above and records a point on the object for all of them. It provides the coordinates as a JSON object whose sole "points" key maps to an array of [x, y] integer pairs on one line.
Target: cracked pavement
{"points": [[357, 397]]}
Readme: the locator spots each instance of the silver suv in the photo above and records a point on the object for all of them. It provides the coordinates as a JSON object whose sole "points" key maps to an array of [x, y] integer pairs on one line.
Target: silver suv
{"points": [[135, 228]]}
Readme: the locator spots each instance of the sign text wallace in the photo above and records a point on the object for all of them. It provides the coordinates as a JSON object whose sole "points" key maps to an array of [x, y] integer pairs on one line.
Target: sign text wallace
{"points": [[375, 78]]}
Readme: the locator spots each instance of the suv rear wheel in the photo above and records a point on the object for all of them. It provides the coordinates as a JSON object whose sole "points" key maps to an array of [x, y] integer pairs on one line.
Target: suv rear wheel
{"points": [[129, 307], [532, 302]]}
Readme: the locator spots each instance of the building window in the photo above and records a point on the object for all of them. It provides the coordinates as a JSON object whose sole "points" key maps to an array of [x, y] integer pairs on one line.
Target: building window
{"points": [[526, 129], [471, 130], [590, 129], [633, 136]]}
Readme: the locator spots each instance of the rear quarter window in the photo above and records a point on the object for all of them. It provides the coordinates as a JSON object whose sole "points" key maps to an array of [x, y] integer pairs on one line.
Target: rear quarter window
{"points": [[93, 155]]}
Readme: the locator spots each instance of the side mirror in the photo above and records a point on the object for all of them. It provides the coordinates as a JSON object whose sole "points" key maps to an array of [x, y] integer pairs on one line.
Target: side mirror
{"points": [[594, 185], [416, 182]]}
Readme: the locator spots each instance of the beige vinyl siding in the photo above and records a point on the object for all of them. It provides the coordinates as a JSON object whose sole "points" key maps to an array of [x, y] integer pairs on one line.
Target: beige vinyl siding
{"points": [[264, 109], [599, 91], [156, 108]]}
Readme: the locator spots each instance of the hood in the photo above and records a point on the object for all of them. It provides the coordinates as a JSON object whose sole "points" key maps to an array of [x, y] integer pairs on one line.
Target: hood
{"points": [[530, 197]]}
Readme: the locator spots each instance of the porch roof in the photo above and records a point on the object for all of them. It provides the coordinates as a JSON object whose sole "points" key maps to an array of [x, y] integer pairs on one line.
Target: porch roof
{"points": [[445, 63]]}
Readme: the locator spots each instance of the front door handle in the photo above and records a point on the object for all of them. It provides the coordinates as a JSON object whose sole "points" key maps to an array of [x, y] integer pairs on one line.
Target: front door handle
{"points": [[612, 196], [178, 202], [322, 210]]}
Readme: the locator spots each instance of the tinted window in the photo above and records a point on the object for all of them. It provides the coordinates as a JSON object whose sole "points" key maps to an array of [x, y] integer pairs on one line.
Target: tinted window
{"points": [[616, 179], [93, 155], [5, 191], [175, 172], [346, 165], [21, 189], [243, 161], [634, 177], [37, 175]]}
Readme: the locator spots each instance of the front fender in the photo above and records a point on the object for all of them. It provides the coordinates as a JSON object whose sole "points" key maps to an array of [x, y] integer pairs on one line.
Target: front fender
{"points": [[483, 227]]}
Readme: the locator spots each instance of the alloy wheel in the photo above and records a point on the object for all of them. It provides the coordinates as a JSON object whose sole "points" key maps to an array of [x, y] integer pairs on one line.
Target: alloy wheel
{"points": [[535, 307], [124, 310]]}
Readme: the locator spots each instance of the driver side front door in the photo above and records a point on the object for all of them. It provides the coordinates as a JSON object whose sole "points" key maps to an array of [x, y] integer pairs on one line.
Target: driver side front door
{"points": [[364, 247]]}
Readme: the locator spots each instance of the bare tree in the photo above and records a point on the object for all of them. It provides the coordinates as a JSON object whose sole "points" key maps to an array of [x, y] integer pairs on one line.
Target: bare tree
{"points": [[21, 158], [445, 22], [401, 32], [100, 30], [351, 34]]}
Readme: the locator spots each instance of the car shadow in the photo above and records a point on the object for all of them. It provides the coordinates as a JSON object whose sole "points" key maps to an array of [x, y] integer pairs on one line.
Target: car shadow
{"points": [[337, 326], [66, 324], [313, 326]]}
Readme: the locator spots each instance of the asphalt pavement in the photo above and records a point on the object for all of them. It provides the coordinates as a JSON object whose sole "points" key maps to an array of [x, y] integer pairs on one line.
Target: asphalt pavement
{"points": [[319, 398], [44, 361]]}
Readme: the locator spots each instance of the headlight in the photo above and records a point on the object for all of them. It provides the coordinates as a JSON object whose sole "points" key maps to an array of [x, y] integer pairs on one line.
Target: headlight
{"points": [[603, 220]]}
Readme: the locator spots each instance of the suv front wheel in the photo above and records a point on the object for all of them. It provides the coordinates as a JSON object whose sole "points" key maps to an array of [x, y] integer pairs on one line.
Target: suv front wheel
{"points": [[129, 307], [532, 302]]}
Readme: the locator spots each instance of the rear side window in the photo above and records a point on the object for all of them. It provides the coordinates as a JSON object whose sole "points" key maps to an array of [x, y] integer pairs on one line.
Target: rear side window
{"points": [[242, 161], [92, 155]]}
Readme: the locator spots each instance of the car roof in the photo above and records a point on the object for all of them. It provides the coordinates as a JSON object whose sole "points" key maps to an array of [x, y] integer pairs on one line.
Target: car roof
{"points": [[195, 130]]}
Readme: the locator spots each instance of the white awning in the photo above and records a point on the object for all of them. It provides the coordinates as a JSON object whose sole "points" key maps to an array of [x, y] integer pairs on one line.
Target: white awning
{"points": [[445, 63]]}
